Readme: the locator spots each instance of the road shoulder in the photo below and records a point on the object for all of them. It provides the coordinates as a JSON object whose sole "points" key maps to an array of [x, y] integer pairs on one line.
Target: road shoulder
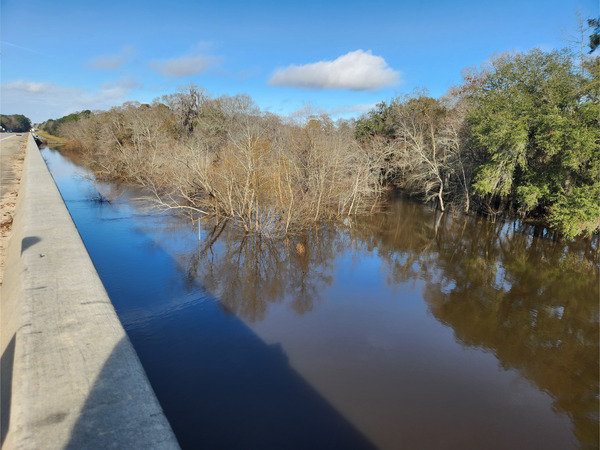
{"points": [[12, 156]]}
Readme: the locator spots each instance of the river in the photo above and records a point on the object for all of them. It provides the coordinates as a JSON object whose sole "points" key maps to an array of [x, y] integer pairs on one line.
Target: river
{"points": [[403, 329]]}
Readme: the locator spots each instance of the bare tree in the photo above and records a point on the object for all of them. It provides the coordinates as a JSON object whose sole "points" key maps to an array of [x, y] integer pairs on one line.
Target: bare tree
{"points": [[224, 157], [419, 145]]}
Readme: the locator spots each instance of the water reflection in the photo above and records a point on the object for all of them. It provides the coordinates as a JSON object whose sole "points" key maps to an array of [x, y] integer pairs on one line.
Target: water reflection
{"points": [[249, 272], [532, 301]]}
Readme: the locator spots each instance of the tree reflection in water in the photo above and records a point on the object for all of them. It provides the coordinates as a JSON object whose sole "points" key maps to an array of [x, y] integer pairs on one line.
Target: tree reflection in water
{"points": [[506, 288], [531, 301], [248, 272]]}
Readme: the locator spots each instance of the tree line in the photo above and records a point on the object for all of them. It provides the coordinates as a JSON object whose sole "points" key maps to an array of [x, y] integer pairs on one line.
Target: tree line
{"points": [[52, 126], [15, 122], [520, 136], [223, 156]]}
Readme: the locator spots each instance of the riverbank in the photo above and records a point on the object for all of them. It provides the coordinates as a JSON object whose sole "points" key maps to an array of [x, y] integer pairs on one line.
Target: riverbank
{"points": [[51, 140]]}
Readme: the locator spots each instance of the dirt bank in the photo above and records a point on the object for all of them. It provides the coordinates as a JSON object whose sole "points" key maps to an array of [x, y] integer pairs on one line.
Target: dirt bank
{"points": [[12, 155]]}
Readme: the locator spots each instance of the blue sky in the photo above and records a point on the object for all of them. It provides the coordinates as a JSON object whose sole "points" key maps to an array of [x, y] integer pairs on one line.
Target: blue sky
{"points": [[327, 56]]}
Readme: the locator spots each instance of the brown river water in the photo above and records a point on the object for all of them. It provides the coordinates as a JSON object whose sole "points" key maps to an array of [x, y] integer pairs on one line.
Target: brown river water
{"points": [[403, 329]]}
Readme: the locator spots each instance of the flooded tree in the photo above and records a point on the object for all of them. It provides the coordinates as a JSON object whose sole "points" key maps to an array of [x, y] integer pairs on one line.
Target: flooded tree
{"points": [[224, 157], [518, 137], [536, 118]]}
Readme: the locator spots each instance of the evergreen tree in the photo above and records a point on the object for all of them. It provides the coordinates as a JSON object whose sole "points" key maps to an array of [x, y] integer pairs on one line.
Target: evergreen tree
{"points": [[537, 120]]}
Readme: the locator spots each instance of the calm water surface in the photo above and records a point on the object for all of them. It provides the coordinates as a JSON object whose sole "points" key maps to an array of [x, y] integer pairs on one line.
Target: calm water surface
{"points": [[406, 329]]}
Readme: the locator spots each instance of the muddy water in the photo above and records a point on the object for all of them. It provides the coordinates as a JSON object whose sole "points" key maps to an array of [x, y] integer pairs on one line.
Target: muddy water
{"points": [[405, 329]]}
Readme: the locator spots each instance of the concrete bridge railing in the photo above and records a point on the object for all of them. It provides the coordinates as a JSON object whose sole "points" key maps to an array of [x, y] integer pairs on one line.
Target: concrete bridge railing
{"points": [[70, 376]]}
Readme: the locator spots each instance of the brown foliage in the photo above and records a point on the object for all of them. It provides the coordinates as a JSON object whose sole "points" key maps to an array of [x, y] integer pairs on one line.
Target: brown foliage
{"points": [[224, 157]]}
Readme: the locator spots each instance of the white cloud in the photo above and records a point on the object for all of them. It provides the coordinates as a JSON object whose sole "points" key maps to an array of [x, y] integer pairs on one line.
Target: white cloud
{"points": [[42, 100], [185, 66], [351, 109], [357, 71], [341, 111], [111, 62], [120, 88], [31, 87]]}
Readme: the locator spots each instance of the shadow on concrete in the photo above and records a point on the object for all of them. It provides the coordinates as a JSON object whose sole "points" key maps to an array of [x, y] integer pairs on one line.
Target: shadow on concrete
{"points": [[29, 242], [6, 374], [222, 388], [116, 413]]}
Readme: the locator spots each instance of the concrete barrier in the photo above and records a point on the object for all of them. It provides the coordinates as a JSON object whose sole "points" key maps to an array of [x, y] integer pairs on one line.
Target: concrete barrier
{"points": [[70, 376]]}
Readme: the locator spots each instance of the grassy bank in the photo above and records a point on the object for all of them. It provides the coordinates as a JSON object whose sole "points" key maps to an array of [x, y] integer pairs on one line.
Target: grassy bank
{"points": [[50, 139]]}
